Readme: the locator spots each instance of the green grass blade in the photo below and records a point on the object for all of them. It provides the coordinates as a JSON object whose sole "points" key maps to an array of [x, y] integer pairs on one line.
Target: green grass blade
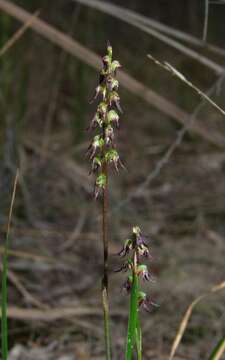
{"points": [[219, 350], [132, 322], [4, 325], [4, 322]]}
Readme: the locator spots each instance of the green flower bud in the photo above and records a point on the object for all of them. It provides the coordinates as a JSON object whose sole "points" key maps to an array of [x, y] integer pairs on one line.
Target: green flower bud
{"points": [[112, 156], [98, 142], [115, 99], [102, 108], [106, 61], [136, 230], [112, 117], [101, 181], [142, 271], [109, 50], [100, 184], [141, 295]]}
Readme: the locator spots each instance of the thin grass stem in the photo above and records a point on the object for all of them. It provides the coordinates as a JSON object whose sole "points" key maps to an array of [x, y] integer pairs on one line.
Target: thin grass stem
{"points": [[105, 296], [219, 350], [4, 322]]}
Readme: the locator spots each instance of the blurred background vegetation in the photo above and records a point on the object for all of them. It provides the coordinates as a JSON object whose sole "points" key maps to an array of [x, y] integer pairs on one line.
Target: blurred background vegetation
{"points": [[56, 251]]}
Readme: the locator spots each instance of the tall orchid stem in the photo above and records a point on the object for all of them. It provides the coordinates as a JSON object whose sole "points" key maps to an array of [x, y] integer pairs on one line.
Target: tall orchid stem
{"points": [[102, 152], [105, 293]]}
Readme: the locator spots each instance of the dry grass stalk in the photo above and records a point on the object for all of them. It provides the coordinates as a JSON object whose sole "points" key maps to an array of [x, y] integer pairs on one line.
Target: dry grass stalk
{"points": [[18, 34], [123, 15], [186, 317], [168, 67]]}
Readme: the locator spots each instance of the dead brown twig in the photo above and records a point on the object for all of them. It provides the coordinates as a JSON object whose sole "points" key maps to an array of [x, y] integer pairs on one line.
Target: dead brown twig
{"points": [[50, 314], [54, 314], [168, 67], [24, 292]]}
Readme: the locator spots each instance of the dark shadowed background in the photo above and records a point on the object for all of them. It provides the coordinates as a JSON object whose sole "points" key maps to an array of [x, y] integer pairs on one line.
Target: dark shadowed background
{"points": [[176, 197]]}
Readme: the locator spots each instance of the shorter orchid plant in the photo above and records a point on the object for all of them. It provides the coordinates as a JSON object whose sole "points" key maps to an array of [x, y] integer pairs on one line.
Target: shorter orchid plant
{"points": [[135, 249]]}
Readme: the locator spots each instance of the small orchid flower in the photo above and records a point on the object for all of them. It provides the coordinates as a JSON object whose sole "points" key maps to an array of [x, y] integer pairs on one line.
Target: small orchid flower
{"points": [[112, 84], [145, 302], [113, 117], [100, 184], [106, 61], [115, 99], [115, 65], [125, 267], [97, 144], [112, 156], [141, 242], [128, 245], [96, 164], [96, 121], [100, 89], [142, 271], [102, 109], [128, 284], [109, 135]]}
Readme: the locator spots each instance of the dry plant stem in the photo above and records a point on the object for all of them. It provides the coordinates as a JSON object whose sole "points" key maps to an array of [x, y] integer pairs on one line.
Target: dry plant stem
{"points": [[166, 66], [187, 315], [105, 204], [19, 33], [205, 29]]}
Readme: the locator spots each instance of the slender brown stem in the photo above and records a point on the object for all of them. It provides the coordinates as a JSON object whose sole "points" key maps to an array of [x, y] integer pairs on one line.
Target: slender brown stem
{"points": [[105, 295], [105, 201]]}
